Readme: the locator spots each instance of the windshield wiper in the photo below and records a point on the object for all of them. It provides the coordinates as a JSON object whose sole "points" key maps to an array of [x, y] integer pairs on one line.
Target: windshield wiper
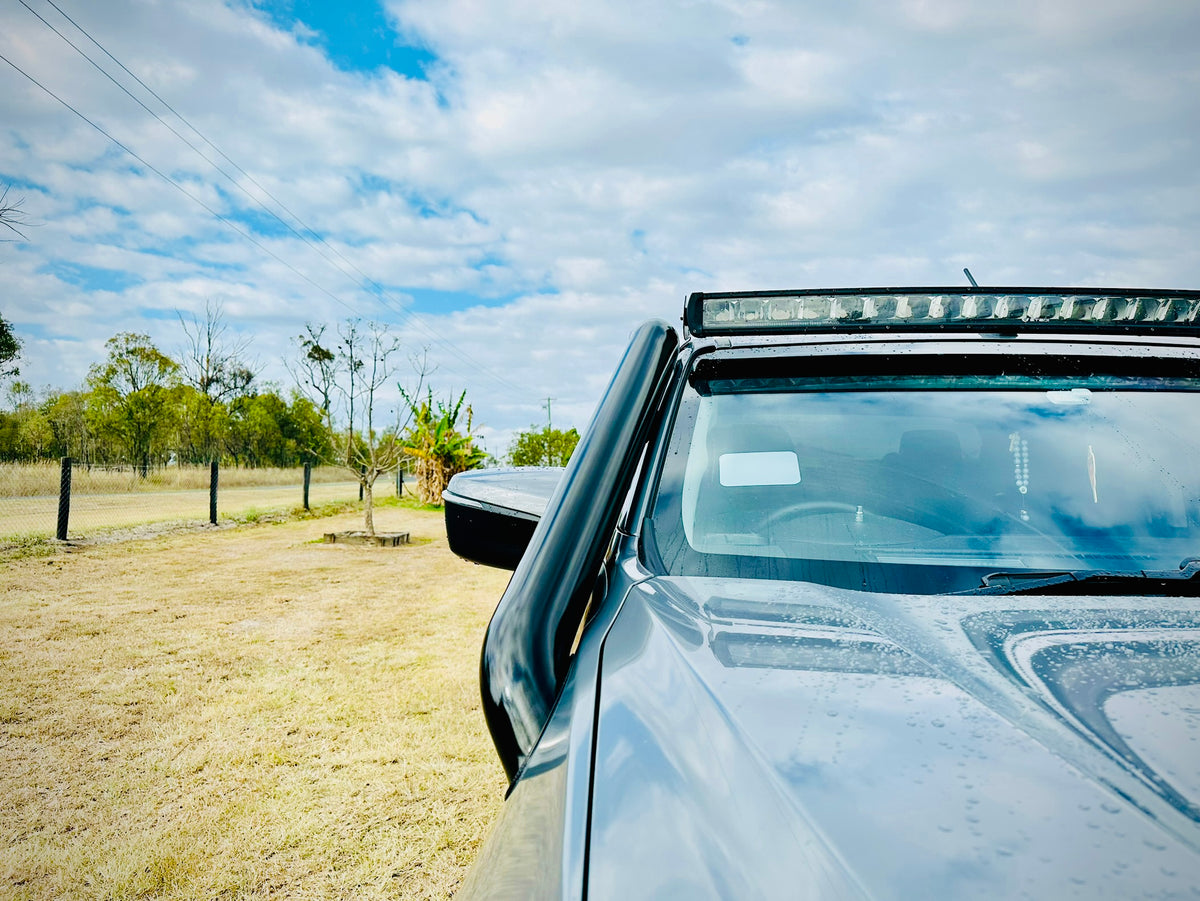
{"points": [[1185, 582]]}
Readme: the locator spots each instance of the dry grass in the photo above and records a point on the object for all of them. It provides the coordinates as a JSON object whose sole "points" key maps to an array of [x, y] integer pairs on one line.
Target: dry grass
{"points": [[30, 517], [41, 479], [244, 714]]}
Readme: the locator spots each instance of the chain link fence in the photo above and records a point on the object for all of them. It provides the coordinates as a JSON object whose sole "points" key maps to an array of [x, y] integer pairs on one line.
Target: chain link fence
{"points": [[74, 500]]}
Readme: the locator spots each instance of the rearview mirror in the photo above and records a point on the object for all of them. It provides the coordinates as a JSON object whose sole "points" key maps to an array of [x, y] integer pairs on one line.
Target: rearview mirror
{"points": [[491, 513]]}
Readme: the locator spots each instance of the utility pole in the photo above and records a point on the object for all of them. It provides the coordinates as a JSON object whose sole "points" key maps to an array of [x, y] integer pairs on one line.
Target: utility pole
{"points": [[549, 429]]}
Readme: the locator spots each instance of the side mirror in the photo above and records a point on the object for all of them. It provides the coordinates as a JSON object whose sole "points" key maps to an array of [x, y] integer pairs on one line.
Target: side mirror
{"points": [[491, 513]]}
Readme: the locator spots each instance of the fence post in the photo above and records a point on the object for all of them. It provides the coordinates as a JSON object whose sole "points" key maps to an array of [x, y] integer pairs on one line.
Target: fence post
{"points": [[399, 481], [64, 498], [363, 470], [307, 482], [212, 494]]}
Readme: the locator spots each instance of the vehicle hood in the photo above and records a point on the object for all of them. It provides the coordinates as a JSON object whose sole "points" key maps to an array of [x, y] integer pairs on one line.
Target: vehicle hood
{"points": [[764, 739]]}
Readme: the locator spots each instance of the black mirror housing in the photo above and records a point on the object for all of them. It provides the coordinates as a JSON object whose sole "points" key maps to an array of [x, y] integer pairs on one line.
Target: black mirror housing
{"points": [[491, 513]]}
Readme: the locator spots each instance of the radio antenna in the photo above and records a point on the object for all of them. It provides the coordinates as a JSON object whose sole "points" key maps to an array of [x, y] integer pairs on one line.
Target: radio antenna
{"points": [[970, 278]]}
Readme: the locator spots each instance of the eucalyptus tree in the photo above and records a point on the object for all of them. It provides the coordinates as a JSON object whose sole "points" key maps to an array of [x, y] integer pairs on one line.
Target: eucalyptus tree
{"points": [[133, 397]]}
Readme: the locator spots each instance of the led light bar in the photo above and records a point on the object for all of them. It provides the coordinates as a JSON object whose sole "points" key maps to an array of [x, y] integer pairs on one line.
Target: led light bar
{"points": [[923, 309]]}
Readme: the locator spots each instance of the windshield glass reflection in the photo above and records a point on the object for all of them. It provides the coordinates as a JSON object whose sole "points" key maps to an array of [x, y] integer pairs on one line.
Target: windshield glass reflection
{"points": [[926, 486]]}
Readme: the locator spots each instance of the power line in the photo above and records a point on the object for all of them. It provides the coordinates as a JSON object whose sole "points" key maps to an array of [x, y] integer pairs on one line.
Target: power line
{"points": [[173, 131], [378, 291], [230, 223], [175, 112], [127, 92]]}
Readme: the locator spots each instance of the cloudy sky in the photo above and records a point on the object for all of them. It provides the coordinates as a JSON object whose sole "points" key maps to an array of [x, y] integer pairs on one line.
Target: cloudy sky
{"points": [[515, 184]]}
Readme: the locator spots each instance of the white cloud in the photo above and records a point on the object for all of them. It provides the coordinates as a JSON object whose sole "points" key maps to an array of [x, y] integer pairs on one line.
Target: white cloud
{"points": [[596, 160]]}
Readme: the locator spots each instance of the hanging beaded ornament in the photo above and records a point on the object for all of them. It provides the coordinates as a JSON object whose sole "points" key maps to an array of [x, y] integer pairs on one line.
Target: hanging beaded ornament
{"points": [[1019, 448]]}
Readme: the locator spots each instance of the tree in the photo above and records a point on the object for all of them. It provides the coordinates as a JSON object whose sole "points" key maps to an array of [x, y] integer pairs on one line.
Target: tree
{"points": [[255, 436], [11, 214], [213, 362], [133, 396], [214, 367], [542, 447], [305, 431], [10, 425], [345, 382], [68, 416], [33, 437], [13, 445], [316, 368], [10, 350], [202, 431], [264, 430], [436, 446]]}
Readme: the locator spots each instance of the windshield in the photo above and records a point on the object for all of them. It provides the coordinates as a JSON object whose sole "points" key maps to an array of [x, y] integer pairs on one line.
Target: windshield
{"points": [[924, 485]]}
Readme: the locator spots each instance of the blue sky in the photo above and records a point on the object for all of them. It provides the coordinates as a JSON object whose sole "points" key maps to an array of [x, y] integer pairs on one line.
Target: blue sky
{"points": [[515, 185], [355, 35]]}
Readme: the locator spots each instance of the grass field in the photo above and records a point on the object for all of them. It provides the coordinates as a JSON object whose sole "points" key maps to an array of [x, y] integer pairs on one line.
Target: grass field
{"points": [[244, 713], [103, 500], [42, 479], [37, 517]]}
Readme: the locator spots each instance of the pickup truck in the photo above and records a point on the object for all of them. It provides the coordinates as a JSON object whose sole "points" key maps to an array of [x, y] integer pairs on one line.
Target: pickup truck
{"points": [[858, 593]]}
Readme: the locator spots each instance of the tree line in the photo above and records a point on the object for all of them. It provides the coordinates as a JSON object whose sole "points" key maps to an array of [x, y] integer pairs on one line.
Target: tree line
{"points": [[141, 406]]}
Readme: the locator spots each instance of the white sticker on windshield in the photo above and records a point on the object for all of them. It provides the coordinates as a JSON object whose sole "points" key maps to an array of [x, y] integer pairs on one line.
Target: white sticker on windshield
{"points": [[1073, 397], [769, 468]]}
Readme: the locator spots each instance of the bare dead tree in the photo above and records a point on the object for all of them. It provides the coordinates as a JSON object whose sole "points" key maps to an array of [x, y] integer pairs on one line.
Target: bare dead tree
{"points": [[12, 216], [214, 361]]}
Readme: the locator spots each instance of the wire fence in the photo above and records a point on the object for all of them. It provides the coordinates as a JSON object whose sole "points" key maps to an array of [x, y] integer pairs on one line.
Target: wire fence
{"points": [[72, 500]]}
